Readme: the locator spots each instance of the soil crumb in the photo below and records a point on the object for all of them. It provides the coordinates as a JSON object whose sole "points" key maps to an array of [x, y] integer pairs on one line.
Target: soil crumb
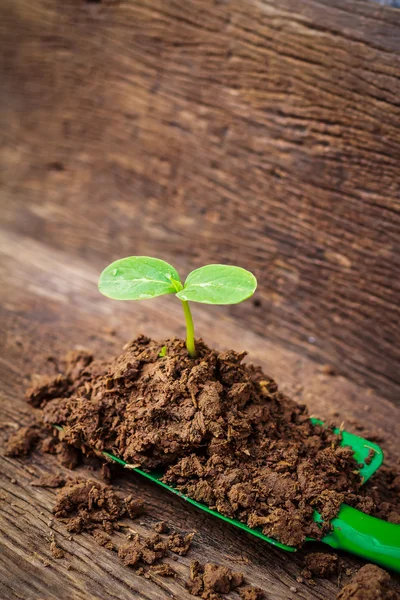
{"points": [[106, 473], [369, 583], [49, 481], [321, 564], [103, 539], [22, 441], [85, 505], [68, 456], [251, 593], [143, 551], [211, 580], [56, 551], [45, 388], [164, 570], [382, 494], [179, 543], [161, 527], [219, 428]]}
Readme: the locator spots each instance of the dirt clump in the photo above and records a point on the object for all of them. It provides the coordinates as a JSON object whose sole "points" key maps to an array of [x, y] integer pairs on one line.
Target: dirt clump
{"points": [[68, 456], [46, 387], [369, 583], [49, 481], [143, 551], [33, 437], [179, 543], [211, 580], [134, 507], [56, 551], [22, 441], [161, 527], [106, 473], [103, 539], [321, 564], [86, 505], [251, 593], [381, 495], [163, 569]]}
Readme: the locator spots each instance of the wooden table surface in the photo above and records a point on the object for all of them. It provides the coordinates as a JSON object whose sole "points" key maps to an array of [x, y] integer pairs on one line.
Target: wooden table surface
{"points": [[256, 132], [50, 304]]}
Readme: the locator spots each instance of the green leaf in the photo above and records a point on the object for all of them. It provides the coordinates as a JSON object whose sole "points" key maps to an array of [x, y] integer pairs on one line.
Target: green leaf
{"points": [[218, 284], [138, 278], [163, 352]]}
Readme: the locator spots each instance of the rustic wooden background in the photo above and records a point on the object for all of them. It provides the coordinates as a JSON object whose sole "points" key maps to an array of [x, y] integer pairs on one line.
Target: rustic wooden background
{"points": [[265, 133]]}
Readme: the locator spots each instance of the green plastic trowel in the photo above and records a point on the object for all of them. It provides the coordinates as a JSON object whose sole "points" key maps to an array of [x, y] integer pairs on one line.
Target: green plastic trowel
{"points": [[352, 530]]}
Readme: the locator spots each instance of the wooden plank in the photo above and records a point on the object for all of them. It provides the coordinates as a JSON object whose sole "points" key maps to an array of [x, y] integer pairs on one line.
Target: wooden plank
{"points": [[265, 133], [49, 305]]}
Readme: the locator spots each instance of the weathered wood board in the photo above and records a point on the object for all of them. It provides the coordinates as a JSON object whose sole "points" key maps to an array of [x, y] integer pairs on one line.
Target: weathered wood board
{"points": [[262, 132]]}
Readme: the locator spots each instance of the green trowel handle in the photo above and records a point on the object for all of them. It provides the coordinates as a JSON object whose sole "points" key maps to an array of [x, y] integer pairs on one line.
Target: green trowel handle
{"points": [[375, 540]]}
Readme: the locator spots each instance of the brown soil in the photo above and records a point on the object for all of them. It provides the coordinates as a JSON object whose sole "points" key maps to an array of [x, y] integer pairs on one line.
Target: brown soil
{"points": [[141, 551], [369, 583], [163, 569], [56, 551], [180, 544], [86, 505], [138, 551], [321, 564], [251, 593], [219, 428], [103, 539], [211, 580], [49, 481], [161, 527], [383, 494], [22, 441]]}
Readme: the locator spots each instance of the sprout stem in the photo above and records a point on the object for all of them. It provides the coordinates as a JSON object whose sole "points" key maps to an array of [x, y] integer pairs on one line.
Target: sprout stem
{"points": [[189, 329]]}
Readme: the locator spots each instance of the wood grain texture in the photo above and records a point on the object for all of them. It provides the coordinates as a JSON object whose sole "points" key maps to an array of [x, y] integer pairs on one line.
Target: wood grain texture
{"points": [[394, 3], [51, 305], [262, 133]]}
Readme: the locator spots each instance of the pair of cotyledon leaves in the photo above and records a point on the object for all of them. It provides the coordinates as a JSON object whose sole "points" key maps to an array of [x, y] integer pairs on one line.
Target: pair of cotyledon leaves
{"points": [[143, 277]]}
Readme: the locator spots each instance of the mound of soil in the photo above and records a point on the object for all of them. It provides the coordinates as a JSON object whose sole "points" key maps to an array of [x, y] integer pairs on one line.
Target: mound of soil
{"points": [[219, 428]]}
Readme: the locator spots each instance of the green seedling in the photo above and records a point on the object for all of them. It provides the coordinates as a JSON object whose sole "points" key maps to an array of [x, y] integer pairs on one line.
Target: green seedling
{"points": [[143, 277], [163, 352]]}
